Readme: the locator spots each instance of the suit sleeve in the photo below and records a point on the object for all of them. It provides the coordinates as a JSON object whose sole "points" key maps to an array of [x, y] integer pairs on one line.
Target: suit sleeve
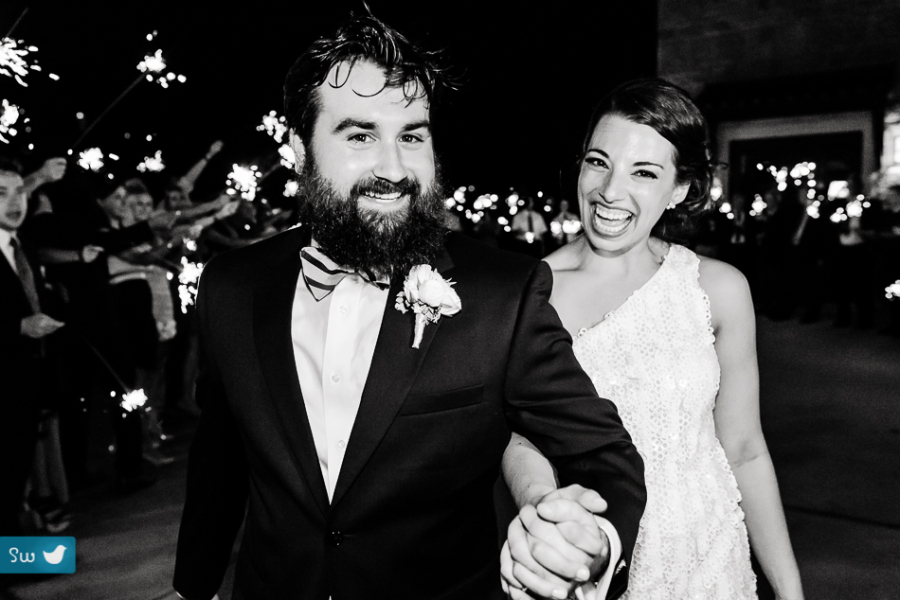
{"points": [[217, 478], [552, 402]]}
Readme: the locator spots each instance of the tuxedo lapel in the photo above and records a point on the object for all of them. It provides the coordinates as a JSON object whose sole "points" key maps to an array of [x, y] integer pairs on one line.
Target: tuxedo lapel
{"points": [[273, 301], [395, 365]]}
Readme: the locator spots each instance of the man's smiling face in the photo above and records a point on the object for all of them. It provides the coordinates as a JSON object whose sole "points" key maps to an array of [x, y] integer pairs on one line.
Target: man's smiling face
{"points": [[370, 142]]}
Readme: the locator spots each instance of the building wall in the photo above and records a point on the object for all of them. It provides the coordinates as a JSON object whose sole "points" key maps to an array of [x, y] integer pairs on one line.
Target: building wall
{"points": [[705, 41]]}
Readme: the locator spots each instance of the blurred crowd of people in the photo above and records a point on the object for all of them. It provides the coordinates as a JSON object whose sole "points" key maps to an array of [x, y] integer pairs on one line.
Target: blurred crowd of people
{"points": [[812, 258], [103, 343]]}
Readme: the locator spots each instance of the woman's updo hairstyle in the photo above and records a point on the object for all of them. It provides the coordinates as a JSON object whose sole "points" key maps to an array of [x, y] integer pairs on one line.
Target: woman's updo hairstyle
{"points": [[672, 114]]}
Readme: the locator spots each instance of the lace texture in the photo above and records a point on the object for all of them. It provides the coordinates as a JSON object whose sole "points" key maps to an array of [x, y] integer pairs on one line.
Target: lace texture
{"points": [[654, 356]]}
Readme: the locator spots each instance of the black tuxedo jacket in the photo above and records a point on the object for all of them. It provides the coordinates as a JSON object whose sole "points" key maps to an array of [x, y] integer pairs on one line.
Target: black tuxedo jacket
{"points": [[18, 370], [412, 514]]}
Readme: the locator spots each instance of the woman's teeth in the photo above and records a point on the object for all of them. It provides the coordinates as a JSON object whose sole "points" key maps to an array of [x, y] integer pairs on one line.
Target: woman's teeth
{"points": [[610, 220]]}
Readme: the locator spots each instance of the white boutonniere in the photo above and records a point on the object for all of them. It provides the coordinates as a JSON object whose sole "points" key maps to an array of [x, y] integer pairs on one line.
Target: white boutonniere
{"points": [[429, 296]]}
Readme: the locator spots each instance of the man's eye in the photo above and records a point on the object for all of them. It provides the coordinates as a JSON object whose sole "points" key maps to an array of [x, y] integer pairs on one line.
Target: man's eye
{"points": [[411, 139], [360, 138]]}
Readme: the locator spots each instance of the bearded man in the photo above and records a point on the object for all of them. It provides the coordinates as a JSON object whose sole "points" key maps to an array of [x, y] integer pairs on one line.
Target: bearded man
{"points": [[363, 372]]}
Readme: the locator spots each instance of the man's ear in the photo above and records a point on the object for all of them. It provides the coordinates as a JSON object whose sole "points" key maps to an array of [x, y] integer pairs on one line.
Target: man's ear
{"points": [[299, 151]]}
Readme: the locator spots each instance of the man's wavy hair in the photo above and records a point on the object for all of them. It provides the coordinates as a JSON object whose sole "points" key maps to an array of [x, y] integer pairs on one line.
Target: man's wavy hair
{"points": [[670, 111], [362, 38]]}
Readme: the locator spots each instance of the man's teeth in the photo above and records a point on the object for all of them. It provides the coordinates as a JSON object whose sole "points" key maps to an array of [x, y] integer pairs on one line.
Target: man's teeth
{"points": [[610, 220], [383, 197]]}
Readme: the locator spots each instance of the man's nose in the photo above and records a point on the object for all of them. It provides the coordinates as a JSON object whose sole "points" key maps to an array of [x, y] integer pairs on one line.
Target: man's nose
{"points": [[390, 163]]}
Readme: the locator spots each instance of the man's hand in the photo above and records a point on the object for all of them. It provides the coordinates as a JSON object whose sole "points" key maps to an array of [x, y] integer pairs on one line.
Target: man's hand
{"points": [[39, 325], [90, 253], [556, 546]]}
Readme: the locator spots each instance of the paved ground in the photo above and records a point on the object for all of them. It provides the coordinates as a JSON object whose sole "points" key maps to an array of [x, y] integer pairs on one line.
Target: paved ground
{"points": [[831, 412]]}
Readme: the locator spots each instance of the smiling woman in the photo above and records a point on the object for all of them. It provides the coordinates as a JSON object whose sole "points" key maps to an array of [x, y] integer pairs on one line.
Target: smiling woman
{"points": [[670, 338]]}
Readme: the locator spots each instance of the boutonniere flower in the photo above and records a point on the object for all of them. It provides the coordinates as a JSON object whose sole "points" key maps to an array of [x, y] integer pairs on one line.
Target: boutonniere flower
{"points": [[429, 296]]}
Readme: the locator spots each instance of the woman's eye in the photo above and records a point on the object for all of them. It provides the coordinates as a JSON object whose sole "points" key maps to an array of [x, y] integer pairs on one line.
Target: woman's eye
{"points": [[646, 174], [595, 161]]}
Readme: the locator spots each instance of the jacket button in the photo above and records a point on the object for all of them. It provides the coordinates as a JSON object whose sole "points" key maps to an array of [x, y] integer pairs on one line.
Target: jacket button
{"points": [[336, 538]]}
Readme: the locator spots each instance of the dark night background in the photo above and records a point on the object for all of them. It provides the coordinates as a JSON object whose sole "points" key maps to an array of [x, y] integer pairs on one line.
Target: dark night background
{"points": [[531, 74]]}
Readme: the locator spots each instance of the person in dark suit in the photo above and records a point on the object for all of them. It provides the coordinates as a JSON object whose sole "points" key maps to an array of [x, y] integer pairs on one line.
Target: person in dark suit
{"points": [[362, 372], [23, 327]]}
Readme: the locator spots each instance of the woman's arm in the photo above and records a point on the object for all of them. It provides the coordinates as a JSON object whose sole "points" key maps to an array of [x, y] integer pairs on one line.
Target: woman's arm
{"points": [[738, 425]]}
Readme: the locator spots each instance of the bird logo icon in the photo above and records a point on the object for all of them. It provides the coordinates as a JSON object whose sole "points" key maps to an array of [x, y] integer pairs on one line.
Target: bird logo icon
{"points": [[55, 557]]}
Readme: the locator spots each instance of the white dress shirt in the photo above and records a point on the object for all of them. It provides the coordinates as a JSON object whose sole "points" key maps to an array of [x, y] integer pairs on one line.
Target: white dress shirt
{"points": [[7, 249], [334, 341]]}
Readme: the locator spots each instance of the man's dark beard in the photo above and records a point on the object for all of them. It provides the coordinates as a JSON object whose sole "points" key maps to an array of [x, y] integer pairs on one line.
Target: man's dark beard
{"points": [[380, 243]]}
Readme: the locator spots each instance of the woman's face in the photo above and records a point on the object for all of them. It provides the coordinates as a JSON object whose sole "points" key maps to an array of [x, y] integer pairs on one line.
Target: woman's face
{"points": [[140, 205], [627, 179]]}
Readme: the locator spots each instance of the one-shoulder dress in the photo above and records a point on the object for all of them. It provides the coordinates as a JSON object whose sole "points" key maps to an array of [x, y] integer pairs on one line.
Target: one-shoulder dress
{"points": [[654, 356]]}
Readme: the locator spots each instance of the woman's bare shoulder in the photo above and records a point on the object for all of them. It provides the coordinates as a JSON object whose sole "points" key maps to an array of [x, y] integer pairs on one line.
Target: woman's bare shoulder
{"points": [[564, 260], [727, 289]]}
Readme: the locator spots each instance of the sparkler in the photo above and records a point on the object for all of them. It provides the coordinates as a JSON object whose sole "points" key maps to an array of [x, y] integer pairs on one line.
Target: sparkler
{"points": [[188, 281], [243, 180], [153, 164], [153, 65], [133, 400], [151, 69], [288, 158], [12, 60], [91, 159], [9, 114], [892, 291], [291, 188], [274, 126]]}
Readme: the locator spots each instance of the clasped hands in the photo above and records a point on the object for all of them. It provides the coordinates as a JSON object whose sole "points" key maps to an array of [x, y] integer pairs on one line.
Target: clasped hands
{"points": [[554, 546]]}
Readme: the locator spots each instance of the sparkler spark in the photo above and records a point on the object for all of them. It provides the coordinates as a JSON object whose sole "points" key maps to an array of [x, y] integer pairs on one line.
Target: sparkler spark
{"points": [[133, 400], [9, 114], [153, 65], [288, 158], [291, 188], [243, 180], [892, 291], [12, 60], [153, 164], [91, 159], [274, 126], [188, 280]]}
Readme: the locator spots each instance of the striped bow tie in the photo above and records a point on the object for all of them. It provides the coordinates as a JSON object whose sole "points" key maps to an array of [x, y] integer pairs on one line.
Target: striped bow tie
{"points": [[322, 274]]}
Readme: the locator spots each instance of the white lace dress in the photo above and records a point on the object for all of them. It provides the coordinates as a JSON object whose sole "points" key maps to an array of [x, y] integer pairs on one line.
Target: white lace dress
{"points": [[654, 357]]}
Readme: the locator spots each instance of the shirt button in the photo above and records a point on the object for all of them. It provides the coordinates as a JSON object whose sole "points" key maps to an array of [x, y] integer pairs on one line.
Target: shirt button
{"points": [[344, 309], [341, 444], [336, 538], [336, 377]]}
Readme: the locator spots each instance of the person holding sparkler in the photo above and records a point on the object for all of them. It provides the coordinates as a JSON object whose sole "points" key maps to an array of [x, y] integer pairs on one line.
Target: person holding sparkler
{"points": [[24, 328]]}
